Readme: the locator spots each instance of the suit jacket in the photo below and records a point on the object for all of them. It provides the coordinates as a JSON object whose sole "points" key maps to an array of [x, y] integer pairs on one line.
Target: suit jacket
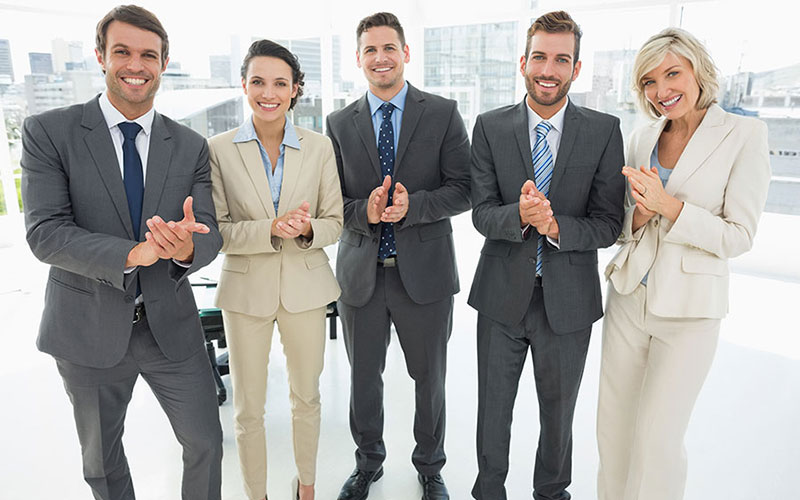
{"points": [[722, 177], [432, 162], [586, 195], [77, 221], [261, 271]]}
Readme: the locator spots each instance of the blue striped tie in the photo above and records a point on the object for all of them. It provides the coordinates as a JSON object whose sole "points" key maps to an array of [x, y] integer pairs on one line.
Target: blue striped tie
{"points": [[542, 173]]}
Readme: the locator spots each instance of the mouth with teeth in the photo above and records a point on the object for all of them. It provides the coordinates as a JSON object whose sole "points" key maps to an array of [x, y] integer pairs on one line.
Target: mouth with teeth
{"points": [[134, 81], [671, 102], [268, 106], [547, 84], [382, 70]]}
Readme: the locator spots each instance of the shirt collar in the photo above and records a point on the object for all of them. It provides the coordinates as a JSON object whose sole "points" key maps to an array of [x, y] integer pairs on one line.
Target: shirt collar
{"points": [[557, 120], [399, 100], [113, 116], [247, 133]]}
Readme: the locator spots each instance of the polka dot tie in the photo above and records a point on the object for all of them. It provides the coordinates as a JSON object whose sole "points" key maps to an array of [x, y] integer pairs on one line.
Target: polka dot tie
{"points": [[542, 173], [386, 157]]}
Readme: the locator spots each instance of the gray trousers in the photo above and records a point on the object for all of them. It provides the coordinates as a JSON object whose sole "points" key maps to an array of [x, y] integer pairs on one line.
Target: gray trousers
{"points": [[558, 362], [185, 389], [423, 331]]}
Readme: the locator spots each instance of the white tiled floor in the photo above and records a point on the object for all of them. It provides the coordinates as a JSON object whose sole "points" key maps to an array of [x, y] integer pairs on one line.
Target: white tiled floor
{"points": [[743, 443]]}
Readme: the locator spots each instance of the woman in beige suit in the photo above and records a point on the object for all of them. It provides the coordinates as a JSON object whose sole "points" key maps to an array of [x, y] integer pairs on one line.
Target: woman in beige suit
{"points": [[278, 201], [694, 203]]}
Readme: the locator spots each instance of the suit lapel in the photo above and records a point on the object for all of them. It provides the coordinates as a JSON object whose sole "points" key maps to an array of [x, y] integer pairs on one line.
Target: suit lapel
{"points": [[251, 159], [712, 130], [292, 164], [159, 159], [414, 108], [362, 120], [101, 148], [568, 136], [523, 137]]}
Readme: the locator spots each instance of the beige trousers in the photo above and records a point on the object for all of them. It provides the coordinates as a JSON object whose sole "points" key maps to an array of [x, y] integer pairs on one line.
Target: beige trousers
{"points": [[651, 372], [249, 339]]}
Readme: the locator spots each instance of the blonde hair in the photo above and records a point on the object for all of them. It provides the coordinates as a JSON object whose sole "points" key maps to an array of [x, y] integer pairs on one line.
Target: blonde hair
{"points": [[681, 43]]}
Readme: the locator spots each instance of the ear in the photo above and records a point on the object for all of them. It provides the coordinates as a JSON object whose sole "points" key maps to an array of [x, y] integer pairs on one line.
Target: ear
{"points": [[244, 85], [407, 53], [100, 60], [523, 62], [294, 90], [164, 68], [358, 58], [576, 71]]}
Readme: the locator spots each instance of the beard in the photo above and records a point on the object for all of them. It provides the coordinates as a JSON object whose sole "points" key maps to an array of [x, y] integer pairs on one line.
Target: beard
{"points": [[546, 100]]}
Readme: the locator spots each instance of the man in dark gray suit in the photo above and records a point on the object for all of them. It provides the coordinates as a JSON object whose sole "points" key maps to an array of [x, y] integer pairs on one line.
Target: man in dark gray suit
{"points": [[118, 303], [396, 261], [547, 192]]}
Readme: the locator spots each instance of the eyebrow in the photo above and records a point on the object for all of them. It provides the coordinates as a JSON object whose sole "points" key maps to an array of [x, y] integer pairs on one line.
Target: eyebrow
{"points": [[253, 77], [539, 52], [120, 45]]}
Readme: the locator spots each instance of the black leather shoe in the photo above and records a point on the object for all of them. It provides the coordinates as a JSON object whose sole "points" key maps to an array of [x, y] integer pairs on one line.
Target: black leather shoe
{"points": [[433, 487], [357, 485]]}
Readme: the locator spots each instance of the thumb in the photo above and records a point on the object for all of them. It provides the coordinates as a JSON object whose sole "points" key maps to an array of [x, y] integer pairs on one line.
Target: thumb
{"points": [[529, 187], [399, 188], [305, 206], [188, 214], [387, 182]]}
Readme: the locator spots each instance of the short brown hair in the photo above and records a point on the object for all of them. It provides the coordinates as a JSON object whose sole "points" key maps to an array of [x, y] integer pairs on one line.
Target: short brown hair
{"points": [[380, 19], [555, 22], [135, 16]]}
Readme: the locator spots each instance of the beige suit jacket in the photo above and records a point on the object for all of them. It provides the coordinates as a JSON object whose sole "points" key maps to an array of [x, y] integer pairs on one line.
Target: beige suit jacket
{"points": [[261, 271], [722, 177]]}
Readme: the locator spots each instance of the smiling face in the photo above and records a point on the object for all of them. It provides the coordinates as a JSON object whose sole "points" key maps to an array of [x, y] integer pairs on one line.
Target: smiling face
{"points": [[382, 57], [133, 66], [671, 87], [269, 88], [549, 70]]}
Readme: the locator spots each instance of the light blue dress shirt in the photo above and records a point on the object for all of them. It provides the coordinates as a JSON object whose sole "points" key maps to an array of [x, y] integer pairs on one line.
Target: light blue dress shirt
{"points": [[663, 174], [399, 102], [247, 133]]}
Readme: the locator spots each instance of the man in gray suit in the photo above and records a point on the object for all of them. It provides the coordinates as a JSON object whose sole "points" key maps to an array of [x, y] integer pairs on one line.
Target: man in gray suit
{"points": [[396, 261], [118, 303], [547, 192]]}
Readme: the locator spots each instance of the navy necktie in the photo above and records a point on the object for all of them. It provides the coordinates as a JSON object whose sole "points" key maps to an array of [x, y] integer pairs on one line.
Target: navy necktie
{"points": [[386, 156], [132, 175]]}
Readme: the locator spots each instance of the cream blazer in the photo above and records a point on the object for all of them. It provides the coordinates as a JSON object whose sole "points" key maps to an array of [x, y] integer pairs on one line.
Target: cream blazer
{"points": [[722, 177], [261, 271]]}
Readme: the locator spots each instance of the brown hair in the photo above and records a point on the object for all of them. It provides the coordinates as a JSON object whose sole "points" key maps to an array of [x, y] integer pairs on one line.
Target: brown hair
{"points": [[380, 19], [135, 16], [555, 22]]}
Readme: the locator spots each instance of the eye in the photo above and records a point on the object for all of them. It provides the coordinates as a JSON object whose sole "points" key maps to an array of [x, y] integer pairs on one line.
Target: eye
{"points": [[281, 84], [369, 50], [537, 58], [562, 60], [121, 52], [672, 73], [647, 83]]}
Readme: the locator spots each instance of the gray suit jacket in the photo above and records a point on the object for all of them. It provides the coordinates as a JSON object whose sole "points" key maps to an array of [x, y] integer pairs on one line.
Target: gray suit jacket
{"points": [[586, 193], [77, 221], [433, 164]]}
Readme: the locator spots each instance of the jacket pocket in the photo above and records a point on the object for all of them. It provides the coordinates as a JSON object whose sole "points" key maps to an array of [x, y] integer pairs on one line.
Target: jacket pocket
{"points": [[495, 249], [70, 287], [583, 258], [236, 263], [316, 259], [435, 230], [704, 264], [351, 238]]}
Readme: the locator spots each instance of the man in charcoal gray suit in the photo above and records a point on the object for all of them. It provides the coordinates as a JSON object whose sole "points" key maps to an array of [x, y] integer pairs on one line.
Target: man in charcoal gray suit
{"points": [[547, 192], [118, 202], [403, 158]]}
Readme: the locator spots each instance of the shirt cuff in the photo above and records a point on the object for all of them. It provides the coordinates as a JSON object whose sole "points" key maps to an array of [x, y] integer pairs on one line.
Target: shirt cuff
{"points": [[555, 243], [185, 265]]}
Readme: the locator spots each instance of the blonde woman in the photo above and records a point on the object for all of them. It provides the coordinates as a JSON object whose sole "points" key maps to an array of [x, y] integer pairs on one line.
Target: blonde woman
{"points": [[278, 201], [698, 180]]}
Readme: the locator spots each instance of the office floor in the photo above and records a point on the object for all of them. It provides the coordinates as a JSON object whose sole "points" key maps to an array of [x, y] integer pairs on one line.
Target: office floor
{"points": [[743, 441]]}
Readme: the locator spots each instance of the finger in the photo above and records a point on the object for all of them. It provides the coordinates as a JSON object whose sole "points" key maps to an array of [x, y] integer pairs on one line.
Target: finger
{"points": [[163, 236], [528, 187], [305, 206], [399, 188], [188, 214], [160, 251], [387, 183]]}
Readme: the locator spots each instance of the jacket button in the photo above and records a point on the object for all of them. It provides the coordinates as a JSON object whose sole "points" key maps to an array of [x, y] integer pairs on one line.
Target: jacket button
{"points": [[128, 299], [655, 222], [531, 260]]}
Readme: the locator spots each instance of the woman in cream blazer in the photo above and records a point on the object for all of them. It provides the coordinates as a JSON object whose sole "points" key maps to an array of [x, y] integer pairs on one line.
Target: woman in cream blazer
{"points": [[696, 207], [278, 202]]}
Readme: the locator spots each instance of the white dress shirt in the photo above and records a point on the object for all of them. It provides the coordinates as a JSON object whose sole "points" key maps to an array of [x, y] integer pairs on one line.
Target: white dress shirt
{"points": [[114, 118]]}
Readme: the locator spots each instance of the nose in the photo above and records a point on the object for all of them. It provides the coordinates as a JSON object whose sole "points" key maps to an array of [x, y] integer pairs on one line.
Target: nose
{"points": [[135, 63]]}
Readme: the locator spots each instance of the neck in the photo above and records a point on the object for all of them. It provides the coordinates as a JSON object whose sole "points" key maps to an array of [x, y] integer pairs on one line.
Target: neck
{"points": [[386, 94], [130, 111], [269, 132], [546, 111], [688, 123]]}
